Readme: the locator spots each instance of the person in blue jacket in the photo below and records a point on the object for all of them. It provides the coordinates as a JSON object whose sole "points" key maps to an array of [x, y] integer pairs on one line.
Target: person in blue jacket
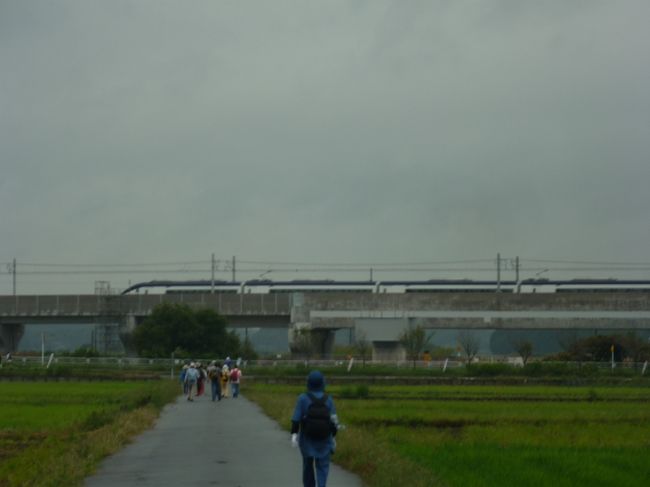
{"points": [[315, 452], [182, 378]]}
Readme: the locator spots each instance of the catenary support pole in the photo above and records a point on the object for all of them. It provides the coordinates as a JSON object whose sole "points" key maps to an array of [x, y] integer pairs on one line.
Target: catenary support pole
{"points": [[517, 269], [498, 272], [212, 281]]}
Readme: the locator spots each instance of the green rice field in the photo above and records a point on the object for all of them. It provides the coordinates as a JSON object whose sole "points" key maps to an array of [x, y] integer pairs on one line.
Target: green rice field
{"points": [[485, 436], [53, 433]]}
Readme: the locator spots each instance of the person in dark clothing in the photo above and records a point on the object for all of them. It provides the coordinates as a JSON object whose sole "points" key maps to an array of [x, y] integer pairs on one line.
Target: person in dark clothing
{"points": [[214, 374], [315, 447]]}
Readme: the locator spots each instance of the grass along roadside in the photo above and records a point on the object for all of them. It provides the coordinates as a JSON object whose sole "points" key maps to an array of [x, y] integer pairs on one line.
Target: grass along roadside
{"points": [[484, 436], [59, 439], [359, 450]]}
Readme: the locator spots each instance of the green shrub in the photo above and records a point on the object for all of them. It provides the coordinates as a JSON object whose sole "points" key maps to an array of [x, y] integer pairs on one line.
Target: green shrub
{"points": [[588, 370], [83, 352], [355, 392], [592, 395], [96, 419], [363, 391], [490, 370]]}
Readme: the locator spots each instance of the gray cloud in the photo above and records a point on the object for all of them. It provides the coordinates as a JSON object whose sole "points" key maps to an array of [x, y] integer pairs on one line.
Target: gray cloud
{"points": [[346, 131]]}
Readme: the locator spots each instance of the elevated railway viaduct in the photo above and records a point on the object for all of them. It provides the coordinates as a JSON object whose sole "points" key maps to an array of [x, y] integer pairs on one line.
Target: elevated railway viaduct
{"points": [[381, 317]]}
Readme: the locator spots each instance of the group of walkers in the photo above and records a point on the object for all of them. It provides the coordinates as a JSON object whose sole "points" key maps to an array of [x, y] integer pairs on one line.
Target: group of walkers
{"points": [[224, 379]]}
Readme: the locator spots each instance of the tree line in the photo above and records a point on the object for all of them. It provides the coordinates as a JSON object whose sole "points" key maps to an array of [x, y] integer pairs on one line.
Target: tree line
{"points": [[178, 329]]}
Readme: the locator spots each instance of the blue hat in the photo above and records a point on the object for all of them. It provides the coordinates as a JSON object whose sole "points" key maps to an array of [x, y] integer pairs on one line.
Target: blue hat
{"points": [[315, 381]]}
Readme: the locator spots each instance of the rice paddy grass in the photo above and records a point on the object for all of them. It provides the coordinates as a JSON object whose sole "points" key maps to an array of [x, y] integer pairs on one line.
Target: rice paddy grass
{"points": [[54, 433], [485, 436]]}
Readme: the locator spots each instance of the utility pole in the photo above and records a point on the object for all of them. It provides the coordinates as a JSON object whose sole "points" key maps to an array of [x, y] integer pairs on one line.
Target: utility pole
{"points": [[212, 281], [498, 272], [13, 270], [517, 269], [371, 274], [234, 275]]}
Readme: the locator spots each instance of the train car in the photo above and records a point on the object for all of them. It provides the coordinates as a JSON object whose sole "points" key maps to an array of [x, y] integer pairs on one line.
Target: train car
{"points": [[444, 286], [323, 286], [185, 287], [531, 286], [259, 286], [602, 286]]}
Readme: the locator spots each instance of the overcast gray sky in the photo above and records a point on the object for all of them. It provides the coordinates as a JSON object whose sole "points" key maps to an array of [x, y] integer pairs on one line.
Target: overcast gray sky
{"points": [[136, 132]]}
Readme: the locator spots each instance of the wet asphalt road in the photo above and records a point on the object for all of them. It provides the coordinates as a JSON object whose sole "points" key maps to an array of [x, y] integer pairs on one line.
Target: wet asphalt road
{"points": [[228, 443]]}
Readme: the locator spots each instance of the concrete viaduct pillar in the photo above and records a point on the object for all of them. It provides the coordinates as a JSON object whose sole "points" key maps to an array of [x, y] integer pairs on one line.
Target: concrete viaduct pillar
{"points": [[10, 335], [382, 334], [303, 336], [127, 327], [324, 342]]}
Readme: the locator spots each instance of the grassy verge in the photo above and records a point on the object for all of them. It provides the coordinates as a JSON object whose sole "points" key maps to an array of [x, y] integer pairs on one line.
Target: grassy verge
{"points": [[56, 434], [88, 372], [359, 450], [566, 373], [485, 436], [533, 370]]}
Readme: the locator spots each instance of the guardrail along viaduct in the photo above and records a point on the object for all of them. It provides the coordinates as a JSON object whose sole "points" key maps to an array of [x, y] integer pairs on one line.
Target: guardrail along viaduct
{"points": [[381, 317]]}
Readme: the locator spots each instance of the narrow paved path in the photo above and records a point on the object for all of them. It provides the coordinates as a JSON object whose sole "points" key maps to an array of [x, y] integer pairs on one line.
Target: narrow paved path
{"points": [[228, 443]]}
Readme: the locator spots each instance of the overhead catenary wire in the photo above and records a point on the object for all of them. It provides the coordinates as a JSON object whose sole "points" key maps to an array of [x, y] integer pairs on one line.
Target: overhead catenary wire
{"points": [[140, 264], [366, 264], [363, 265], [241, 270], [596, 263], [266, 267]]}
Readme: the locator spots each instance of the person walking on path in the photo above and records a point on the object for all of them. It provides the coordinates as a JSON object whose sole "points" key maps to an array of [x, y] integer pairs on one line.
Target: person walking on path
{"points": [[200, 382], [191, 378], [225, 374], [235, 378], [313, 426], [214, 374], [182, 378]]}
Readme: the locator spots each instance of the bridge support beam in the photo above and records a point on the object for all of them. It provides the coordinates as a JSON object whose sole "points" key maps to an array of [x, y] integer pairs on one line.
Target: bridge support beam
{"points": [[307, 341], [324, 342], [388, 351], [127, 327], [10, 335]]}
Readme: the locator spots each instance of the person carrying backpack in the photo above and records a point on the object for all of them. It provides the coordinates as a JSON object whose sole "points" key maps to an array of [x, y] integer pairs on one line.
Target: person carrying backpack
{"points": [[214, 374], [235, 378], [313, 426], [191, 378], [225, 375]]}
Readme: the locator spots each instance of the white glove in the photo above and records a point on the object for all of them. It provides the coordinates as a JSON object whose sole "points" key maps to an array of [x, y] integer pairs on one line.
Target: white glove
{"points": [[294, 440], [334, 418]]}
